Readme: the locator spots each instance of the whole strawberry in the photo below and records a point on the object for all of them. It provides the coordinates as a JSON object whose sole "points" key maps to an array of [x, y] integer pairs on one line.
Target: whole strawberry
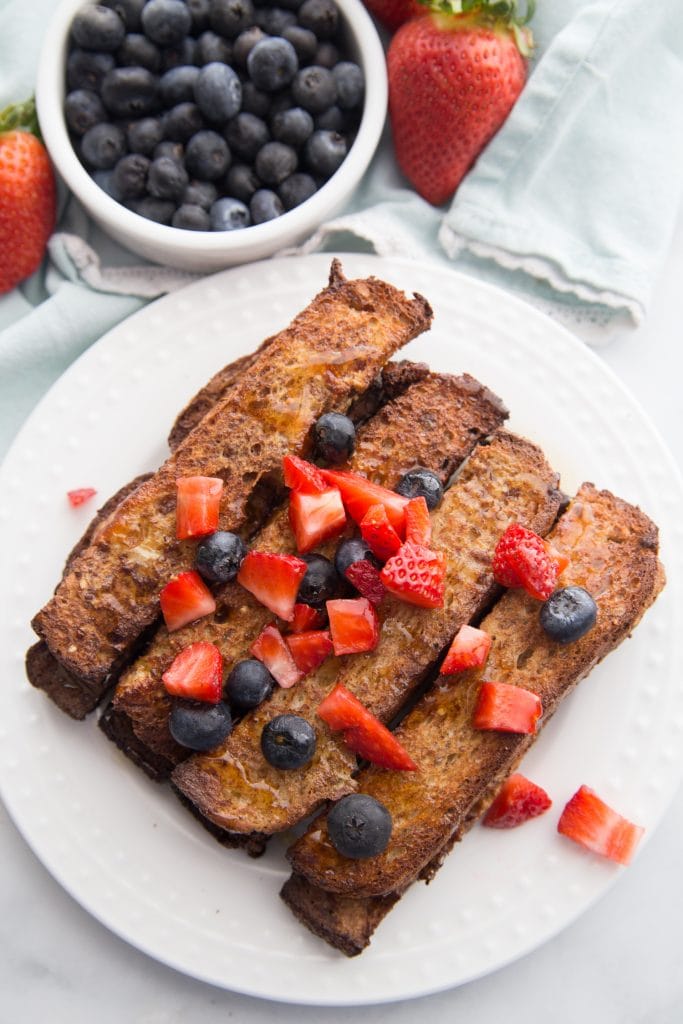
{"points": [[27, 195], [393, 13], [453, 79]]}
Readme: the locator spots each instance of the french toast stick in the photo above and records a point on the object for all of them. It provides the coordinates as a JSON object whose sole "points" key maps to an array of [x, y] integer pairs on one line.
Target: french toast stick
{"points": [[328, 356], [137, 716], [233, 786], [613, 548]]}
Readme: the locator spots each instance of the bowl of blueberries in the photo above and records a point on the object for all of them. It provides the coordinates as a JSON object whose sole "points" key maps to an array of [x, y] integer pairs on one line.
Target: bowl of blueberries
{"points": [[206, 133]]}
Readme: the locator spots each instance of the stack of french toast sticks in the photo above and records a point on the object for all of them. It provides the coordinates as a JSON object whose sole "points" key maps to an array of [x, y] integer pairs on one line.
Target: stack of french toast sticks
{"points": [[101, 634]]}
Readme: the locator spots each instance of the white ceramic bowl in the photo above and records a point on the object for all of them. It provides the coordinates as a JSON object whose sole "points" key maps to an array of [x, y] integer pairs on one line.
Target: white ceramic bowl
{"points": [[211, 250]]}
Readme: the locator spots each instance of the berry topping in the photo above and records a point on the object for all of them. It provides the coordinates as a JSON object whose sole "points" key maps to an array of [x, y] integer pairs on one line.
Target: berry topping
{"points": [[517, 800], [568, 614], [354, 625], [200, 726], [359, 826], [334, 437], [288, 742], [379, 534], [310, 649], [363, 733], [359, 494], [589, 821], [421, 482], [185, 599], [364, 576], [196, 673], [302, 476], [80, 495], [416, 575], [274, 580], [418, 523], [350, 551], [271, 649], [507, 708], [248, 684], [521, 559], [321, 582], [316, 517], [220, 556], [470, 649], [306, 618], [197, 506]]}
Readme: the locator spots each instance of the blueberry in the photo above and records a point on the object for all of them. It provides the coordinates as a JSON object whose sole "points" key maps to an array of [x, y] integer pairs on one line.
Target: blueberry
{"points": [[85, 70], [83, 108], [207, 156], [219, 556], [327, 55], [350, 84], [351, 551], [191, 218], [248, 684], [359, 826], [246, 134], [314, 89], [144, 135], [166, 21], [334, 437], [130, 92], [265, 205], [137, 50], [228, 214], [230, 17], [272, 64], [182, 121], [129, 11], [296, 189], [167, 179], [129, 177], [173, 150], [331, 120], [292, 126], [320, 583], [200, 726], [288, 742], [325, 152], [97, 28], [218, 92], [200, 193], [245, 43], [103, 145], [420, 481], [275, 162], [274, 20], [213, 48], [159, 210], [303, 41], [254, 101], [321, 16], [182, 54], [241, 182], [177, 85], [568, 614]]}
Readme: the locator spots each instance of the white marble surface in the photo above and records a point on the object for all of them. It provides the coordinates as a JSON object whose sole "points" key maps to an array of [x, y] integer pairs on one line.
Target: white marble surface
{"points": [[618, 964]]}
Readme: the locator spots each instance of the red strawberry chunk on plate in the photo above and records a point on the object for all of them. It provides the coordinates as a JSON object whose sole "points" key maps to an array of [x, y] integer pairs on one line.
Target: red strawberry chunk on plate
{"points": [[270, 648], [274, 580], [302, 476], [198, 503], [310, 649], [306, 618], [185, 599], [507, 708], [80, 495], [418, 523], [416, 575], [378, 533], [521, 559], [366, 579], [363, 733], [517, 800], [196, 673], [589, 821], [470, 649], [316, 517], [359, 494], [354, 625]]}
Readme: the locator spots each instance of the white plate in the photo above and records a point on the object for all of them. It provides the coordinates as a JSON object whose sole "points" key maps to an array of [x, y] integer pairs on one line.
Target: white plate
{"points": [[127, 851]]}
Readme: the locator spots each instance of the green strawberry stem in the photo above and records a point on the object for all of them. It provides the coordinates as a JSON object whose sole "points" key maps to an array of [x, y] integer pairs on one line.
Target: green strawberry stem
{"points": [[21, 117], [493, 13]]}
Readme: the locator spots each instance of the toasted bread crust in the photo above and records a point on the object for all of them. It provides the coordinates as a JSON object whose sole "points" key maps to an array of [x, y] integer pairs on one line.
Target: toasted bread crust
{"points": [[324, 359], [385, 449]]}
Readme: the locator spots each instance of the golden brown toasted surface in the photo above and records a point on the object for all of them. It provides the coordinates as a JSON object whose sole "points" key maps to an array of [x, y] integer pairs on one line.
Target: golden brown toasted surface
{"points": [[504, 481], [612, 547], [435, 422], [328, 355]]}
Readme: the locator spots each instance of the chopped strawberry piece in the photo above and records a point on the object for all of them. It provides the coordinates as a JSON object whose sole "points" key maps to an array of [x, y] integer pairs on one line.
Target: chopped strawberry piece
{"points": [[273, 580], [517, 800], [306, 618], [521, 559], [378, 533], [302, 476], [589, 821], [470, 649], [365, 578], [416, 575], [198, 502], [270, 648], [80, 495], [507, 708], [418, 523], [363, 733], [184, 599], [360, 494], [310, 649], [354, 625], [196, 673], [316, 517]]}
